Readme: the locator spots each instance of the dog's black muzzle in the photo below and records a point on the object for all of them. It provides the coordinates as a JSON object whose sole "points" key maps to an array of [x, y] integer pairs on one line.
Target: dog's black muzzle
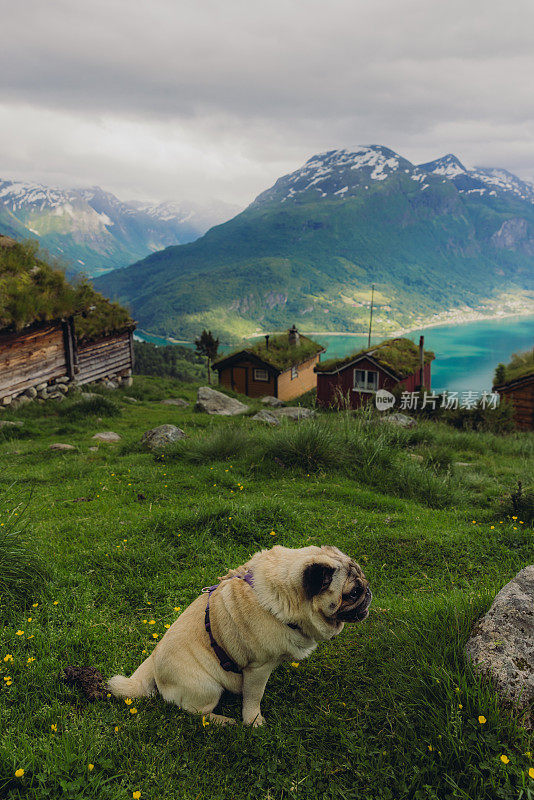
{"points": [[359, 612]]}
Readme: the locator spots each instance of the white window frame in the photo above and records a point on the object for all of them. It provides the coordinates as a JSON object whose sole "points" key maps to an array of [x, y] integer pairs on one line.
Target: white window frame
{"points": [[294, 372], [367, 386], [265, 372]]}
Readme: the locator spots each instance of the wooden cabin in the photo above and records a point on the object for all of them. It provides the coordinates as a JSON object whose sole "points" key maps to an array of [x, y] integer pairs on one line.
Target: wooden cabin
{"points": [[393, 364], [45, 354], [516, 385], [280, 365]]}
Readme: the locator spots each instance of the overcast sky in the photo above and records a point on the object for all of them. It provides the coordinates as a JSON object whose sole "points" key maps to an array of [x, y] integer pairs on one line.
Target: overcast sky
{"points": [[207, 100]]}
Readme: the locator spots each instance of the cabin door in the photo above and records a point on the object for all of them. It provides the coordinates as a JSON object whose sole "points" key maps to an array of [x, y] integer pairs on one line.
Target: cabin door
{"points": [[240, 380]]}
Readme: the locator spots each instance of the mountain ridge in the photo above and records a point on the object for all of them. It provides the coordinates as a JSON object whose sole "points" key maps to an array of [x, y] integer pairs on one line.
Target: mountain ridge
{"points": [[307, 249], [90, 229]]}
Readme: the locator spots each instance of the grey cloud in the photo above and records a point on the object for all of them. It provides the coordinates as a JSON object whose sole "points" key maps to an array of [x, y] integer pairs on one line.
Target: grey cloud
{"points": [[261, 86]]}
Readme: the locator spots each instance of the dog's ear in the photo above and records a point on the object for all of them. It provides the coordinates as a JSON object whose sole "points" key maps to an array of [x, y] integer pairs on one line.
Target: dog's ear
{"points": [[316, 578]]}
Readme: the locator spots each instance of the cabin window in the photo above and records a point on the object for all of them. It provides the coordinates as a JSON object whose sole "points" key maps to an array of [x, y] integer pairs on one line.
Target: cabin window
{"points": [[261, 375], [294, 373], [365, 380]]}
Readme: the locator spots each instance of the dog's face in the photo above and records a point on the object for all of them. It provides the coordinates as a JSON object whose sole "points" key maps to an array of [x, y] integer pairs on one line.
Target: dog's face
{"points": [[337, 587]]}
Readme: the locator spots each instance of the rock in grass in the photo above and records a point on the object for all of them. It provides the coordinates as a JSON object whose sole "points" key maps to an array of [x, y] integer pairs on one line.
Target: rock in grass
{"points": [[107, 436], [275, 402], [294, 412], [6, 423], [502, 642], [175, 401], [213, 402], [401, 420], [266, 416], [162, 436], [61, 446], [130, 399]]}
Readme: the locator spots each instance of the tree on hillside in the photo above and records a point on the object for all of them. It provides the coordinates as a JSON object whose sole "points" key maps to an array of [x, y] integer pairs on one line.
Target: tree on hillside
{"points": [[207, 346]]}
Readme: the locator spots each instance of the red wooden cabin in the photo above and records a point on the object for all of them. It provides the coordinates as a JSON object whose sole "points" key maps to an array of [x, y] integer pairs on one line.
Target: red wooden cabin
{"points": [[395, 363]]}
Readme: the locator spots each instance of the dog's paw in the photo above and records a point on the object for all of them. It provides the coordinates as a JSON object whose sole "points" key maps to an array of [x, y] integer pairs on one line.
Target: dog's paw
{"points": [[254, 721]]}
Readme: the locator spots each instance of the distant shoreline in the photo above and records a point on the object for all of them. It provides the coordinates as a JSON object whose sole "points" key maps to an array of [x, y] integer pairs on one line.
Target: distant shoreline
{"points": [[465, 320]]}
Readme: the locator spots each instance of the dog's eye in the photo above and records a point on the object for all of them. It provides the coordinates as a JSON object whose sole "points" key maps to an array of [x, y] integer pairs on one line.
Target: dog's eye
{"points": [[356, 590]]}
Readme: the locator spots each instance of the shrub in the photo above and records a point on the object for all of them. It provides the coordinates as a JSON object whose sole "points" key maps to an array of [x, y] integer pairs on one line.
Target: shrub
{"points": [[519, 503], [21, 571], [93, 407], [219, 444], [309, 445]]}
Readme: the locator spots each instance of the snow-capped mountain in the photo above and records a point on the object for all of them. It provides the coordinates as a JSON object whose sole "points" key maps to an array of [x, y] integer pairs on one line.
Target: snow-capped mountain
{"points": [[430, 237], [346, 172], [91, 230]]}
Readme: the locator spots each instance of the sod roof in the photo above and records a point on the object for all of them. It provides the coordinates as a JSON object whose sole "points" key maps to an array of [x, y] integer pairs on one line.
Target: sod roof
{"points": [[280, 354], [399, 356], [520, 366], [33, 291]]}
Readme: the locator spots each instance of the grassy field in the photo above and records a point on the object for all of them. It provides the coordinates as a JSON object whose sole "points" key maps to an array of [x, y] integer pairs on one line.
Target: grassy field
{"points": [[388, 710]]}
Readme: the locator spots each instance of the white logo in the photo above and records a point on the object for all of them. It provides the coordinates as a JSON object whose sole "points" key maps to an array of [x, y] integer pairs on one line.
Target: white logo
{"points": [[384, 400]]}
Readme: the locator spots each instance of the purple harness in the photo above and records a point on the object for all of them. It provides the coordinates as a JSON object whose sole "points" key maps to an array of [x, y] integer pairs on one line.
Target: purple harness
{"points": [[224, 659]]}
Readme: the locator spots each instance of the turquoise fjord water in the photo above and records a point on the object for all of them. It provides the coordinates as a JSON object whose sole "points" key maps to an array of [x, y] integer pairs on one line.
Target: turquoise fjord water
{"points": [[466, 354]]}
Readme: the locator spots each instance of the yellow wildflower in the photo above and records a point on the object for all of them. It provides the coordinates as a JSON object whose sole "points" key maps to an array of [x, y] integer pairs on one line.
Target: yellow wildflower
{"points": [[90, 767], [30, 660], [136, 795], [482, 720], [295, 664], [205, 722], [30, 619], [128, 701], [505, 759], [155, 635], [460, 705], [19, 633], [167, 626], [133, 711], [152, 622], [55, 602], [272, 533], [9, 683], [177, 608], [531, 773], [514, 517], [34, 605], [53, 728], [19, 773]]}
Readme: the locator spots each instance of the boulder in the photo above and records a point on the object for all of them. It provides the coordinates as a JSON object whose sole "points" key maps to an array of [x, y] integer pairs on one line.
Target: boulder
{"points": [[22, 399], [41, 386], [63, 388], [63, 379], [107, 436], [266, 416], [502, 642], [111, 384], [401, 420], [31, 393], [213, 402], [55, 396], [294, 412], [89, 395], [5, 423], [162, 436], [130, 399], [275, 402], [175, 401], [415, 457], [128, 381], [6, 401], [61, 446]]}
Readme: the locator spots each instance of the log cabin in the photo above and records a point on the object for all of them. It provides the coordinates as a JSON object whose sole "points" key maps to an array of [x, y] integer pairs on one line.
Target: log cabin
{"points": [[515, 384], [53, 333], [279, 365], [355, 379]]}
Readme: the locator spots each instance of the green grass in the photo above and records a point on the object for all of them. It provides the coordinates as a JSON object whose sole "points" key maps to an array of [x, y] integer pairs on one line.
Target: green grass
{"points": [[388, 710]]}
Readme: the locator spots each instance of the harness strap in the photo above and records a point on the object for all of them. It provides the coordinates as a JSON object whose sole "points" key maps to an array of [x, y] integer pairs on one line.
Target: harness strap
{"points": [[227, 663]]}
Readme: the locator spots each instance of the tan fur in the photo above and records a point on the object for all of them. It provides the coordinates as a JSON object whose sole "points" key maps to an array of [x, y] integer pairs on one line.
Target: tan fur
{"points": [[250, 624]]}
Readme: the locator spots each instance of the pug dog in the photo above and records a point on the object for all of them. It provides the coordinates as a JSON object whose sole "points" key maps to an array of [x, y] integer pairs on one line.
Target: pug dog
{"points": [[277, 607]]}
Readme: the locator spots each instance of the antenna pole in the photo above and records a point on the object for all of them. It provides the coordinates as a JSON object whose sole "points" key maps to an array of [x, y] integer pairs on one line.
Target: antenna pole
{"points": [[371, 316]]}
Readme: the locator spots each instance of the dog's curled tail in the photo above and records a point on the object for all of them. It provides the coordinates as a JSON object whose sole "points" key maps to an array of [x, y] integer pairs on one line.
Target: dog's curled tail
{"points": [[141, 684]]}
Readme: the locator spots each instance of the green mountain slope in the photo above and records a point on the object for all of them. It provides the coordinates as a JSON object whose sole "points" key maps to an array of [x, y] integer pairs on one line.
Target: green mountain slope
{"points": [[308, 249]]}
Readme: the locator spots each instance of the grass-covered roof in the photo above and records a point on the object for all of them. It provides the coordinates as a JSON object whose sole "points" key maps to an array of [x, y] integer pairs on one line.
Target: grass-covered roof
{"points": [[399, 356], [280, 354], [32, 291], [520, 366]]}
